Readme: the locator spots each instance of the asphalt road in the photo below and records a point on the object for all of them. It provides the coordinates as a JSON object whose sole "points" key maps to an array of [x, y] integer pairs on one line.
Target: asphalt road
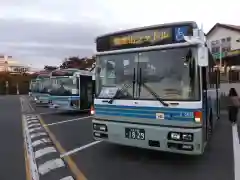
{"points": [[12, 163], [104, 161]]}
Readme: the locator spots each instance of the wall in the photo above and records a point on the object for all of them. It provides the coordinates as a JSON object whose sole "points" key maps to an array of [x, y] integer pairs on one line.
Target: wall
{"points": [[220, 33]]}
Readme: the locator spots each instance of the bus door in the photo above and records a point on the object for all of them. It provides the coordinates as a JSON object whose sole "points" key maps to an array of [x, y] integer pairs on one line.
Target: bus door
{"points": [[85, 92], [205, 103]]}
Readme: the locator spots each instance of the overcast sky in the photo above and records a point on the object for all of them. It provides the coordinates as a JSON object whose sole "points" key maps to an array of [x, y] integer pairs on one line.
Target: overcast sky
{"points": [[40, 32]]}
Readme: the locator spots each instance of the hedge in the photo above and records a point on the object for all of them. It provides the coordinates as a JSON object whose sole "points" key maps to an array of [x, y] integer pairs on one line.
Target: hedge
{"points": [[23, 81]]}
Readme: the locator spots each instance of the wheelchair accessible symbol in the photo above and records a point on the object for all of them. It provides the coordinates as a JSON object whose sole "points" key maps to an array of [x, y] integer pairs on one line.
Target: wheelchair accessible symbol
{"points": [[180, 32]]}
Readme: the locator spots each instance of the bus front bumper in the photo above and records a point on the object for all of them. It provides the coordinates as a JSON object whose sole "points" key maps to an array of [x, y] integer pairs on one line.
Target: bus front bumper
{"points": [[156, 137]]}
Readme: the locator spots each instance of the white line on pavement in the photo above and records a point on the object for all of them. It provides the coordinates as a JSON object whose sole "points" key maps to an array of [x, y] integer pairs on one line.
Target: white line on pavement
{"points": [[34, 124], [67, 178], [50, 165], [41, 141], [46, 113], [31, 106], [38, 135], [44, 151], [236, 150], [79, 149], [69, 120], [35, 129]]}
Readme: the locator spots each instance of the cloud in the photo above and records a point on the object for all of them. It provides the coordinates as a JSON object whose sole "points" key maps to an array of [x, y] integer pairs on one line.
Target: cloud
{"points": [[31, 41], [46, 31]]}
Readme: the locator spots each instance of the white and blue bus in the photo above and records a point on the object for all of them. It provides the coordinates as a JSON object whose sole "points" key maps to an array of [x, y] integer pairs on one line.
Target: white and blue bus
{"points": [[39, 87], [44, 84], [156, 88], [72, 89], [32, 89]]}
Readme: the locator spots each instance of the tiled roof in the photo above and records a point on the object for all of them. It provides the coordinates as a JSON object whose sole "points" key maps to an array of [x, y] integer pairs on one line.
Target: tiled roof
{"points": [[227, 26]]}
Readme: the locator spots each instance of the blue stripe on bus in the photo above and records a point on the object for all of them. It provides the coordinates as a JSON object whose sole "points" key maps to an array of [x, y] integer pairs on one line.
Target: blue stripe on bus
{"points": [[146, 112], [65, 98], [146, 108], [149, 116]]}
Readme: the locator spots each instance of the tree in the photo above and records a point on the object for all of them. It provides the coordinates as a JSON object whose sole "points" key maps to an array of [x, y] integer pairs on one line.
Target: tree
{"points": [[50, 68], [76, 62]]}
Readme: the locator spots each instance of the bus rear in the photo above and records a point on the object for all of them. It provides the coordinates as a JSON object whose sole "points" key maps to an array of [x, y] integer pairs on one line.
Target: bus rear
{"points": [[148, 89]]}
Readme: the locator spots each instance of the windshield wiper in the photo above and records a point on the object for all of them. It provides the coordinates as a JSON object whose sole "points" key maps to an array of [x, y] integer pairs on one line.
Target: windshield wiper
{"points": [[123, 88], [140, 83]]}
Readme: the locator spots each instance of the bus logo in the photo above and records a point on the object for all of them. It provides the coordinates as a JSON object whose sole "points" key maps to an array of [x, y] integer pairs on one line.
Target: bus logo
{"points": [[159, 115], [180, 32]]}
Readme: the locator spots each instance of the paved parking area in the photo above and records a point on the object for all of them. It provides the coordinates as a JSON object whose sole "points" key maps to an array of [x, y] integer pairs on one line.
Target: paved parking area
{"points": [[103, 161], [12, 164]]}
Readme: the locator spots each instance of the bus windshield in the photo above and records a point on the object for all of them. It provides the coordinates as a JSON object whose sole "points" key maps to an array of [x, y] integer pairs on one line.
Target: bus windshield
{"points": [[172, 74], [45, 85], [64, 86], [33, 86]]}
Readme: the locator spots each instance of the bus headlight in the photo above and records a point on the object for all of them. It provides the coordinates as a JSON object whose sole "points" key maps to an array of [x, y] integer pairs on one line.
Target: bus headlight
{"points": [[175, 136], [180, 136], [100, 127], [187, 137]]}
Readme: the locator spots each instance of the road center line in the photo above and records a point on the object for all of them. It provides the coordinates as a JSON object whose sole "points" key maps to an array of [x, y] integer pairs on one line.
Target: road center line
{"points": [[236, 150], [69, 120], [79, 149]]}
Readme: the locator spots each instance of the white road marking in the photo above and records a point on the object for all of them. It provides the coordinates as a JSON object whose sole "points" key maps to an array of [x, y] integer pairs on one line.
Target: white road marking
{"points": [[67, 178], [32, 121], [38, 134], [236, 150], [79, 149], [44, 151], [50, 165], [35, 129], [31, 106], [41, 141], [31, 118], [34, 124], [69, 120], [46, 113]]}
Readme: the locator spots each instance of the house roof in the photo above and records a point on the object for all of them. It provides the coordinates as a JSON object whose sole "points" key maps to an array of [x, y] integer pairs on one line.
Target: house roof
{"points": [[226, 26]]}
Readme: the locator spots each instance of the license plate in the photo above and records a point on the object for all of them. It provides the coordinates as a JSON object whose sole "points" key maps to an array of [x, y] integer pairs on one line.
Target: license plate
{"points": [[134, 133]]}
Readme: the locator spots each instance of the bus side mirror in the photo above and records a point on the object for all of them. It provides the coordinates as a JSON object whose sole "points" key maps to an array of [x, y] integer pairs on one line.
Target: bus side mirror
{"points": [[203, 56]]}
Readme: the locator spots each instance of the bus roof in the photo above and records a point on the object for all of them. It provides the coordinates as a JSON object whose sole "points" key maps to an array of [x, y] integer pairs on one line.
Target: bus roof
{"points": [[69, 72], [165, 25]]}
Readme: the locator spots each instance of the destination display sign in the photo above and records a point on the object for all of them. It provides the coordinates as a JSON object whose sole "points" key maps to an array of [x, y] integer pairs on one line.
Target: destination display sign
{"points": [[144, 38]]}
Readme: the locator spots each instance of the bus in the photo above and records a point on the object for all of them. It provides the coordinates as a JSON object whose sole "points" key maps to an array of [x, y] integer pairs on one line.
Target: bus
{"points": [[44, 84], [32, 89], [39, 85], [72, 89], [157, 88]]}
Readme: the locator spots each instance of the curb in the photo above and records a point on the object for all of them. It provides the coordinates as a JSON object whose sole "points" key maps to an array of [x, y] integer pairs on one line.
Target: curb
{"points": [[44, 159]]}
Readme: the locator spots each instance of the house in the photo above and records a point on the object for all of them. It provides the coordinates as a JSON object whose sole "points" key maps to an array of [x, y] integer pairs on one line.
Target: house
{"points": [[224, 43], [8, 64]]}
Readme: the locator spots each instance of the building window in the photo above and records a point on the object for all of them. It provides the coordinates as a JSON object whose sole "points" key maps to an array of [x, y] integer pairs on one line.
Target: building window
{"points": [[213, 43], [228, 39], [223, 40]]}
